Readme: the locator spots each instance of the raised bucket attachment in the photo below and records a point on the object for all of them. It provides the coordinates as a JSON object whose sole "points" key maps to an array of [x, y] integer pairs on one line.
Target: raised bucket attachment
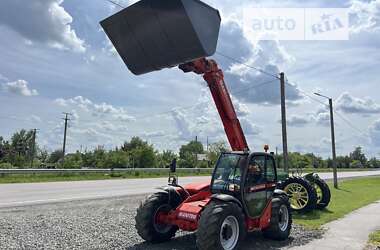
{"points": [[155, 34]]}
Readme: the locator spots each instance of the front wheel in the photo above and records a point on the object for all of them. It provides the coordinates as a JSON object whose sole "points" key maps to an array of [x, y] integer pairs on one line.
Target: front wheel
{"points": [[323, 193], [146, 219], [221, 226]]}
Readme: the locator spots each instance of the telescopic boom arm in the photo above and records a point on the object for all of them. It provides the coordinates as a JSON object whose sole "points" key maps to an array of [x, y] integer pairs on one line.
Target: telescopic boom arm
{"points": [[214, 77]]}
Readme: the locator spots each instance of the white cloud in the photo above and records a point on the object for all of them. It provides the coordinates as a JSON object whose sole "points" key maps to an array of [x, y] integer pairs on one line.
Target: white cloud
{"points": [[249, 128], [96, 110], [204, 121], [298, 120], [42, 21], [19, 87], [61, 102], [154, 134], [352, 105], [323, 118], [92, 135], [270, 56], [365, 16]]}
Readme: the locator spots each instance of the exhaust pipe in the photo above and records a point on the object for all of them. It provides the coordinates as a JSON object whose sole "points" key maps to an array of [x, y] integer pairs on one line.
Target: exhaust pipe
{"points": [[154, 34]]}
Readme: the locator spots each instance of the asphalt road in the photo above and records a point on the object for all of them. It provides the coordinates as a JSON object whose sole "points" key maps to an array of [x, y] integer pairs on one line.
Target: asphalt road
{"points": [[12, 195]]}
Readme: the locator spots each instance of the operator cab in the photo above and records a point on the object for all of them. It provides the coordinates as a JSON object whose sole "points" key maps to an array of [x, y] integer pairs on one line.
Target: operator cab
{"points": [[250, 178]]}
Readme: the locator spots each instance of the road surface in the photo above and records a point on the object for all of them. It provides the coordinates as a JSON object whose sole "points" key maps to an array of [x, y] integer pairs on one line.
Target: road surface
{"points": [[13, 195]]}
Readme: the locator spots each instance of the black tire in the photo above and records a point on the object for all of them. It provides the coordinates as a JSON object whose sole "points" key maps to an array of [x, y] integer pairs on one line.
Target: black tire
{"points": [[311, 202], [280, 223], [145, 219], [210, 225], [322, 202]]}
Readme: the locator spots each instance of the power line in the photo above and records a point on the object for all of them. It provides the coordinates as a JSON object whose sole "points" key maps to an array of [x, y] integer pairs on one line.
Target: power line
{"points": [[247, 65], [305, 93], [262, 71], [241, 90], [219, 53], [349, 123], [335, 111]]}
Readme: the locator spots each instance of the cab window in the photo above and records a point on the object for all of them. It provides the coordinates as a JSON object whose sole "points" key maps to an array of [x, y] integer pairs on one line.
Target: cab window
{"points": [[255, 172], [271, 171]]}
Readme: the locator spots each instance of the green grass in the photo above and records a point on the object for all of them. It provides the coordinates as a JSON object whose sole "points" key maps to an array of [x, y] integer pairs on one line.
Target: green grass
{"points": [[374, 238], [31, 178], [328, 170], [351, 195]]}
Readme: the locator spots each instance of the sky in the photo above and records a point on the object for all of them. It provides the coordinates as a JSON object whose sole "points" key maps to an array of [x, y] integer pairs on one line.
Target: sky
{"points": [[56, 58]]}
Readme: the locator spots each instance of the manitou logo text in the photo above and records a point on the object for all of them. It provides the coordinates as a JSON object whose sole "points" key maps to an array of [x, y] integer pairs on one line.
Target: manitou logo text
{"points": [[187, 216]]}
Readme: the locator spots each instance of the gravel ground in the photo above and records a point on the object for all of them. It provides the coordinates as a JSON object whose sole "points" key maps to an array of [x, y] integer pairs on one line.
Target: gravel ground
{"points": [[103, 224]]}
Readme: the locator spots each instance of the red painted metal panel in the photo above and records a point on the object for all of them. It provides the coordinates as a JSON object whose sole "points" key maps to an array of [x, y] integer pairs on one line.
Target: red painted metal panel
{"points": [[215, 80]]}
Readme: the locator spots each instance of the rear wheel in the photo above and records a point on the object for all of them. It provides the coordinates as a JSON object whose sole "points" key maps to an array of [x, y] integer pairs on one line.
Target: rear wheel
{"points": [[281, 219], [146, 218], [302, 194], [221, 226]]}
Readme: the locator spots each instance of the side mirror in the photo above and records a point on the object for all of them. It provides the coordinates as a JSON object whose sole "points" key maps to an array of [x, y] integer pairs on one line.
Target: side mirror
{"points": [[173, 165]]}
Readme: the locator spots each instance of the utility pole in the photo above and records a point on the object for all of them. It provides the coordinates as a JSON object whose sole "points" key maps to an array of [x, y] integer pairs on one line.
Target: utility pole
{"points": [[64, 136], [283, 122], [335, 174], [33, 147]]}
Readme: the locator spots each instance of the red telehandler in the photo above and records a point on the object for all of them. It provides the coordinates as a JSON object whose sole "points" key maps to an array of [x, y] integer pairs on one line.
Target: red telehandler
{"points": [[242, 197]]}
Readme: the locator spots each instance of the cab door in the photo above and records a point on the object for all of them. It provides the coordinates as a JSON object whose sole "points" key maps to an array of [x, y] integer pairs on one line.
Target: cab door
{"points": [[270, 176], [255, 195]]}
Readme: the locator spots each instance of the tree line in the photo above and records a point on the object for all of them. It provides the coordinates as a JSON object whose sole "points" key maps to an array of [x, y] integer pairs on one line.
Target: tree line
{"points": [[19, 150]]}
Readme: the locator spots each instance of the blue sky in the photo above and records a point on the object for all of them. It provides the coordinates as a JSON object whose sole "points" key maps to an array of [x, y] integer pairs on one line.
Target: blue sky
{"points": [[55, 58]]}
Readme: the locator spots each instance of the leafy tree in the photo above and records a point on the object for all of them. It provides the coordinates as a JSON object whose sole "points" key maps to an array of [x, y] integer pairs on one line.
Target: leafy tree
{"points": [[165, 158], [22, 142], [298, 160], [214, 151], [343, 161], [116, 159], [6, 165], [43, 155], [141, 154], [356, 164], [358, 155], [73, 160], [55, 156], [188, 154], [88, 160], [135, 142], [99, 156], [374, 163]]}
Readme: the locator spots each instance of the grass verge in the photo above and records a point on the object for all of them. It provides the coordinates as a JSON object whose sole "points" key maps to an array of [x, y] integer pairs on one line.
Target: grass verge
{"points": [[374, 238], [351, 195], [32, 178]]}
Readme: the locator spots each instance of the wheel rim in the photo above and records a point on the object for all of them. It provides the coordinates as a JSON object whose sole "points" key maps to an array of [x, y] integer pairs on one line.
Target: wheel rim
{"points": [[229, 233], [161, 228], [319, 193], [299, 197], [283, 218]]}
